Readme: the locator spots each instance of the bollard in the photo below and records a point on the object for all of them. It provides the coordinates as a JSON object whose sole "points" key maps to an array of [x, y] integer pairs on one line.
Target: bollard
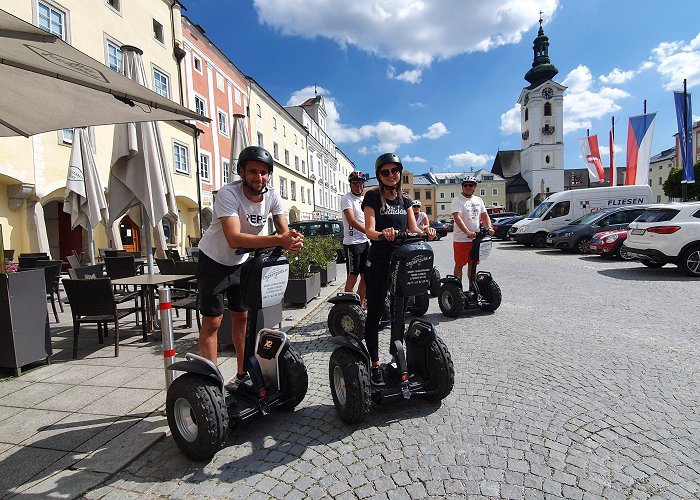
{"points": [[166, 325]]}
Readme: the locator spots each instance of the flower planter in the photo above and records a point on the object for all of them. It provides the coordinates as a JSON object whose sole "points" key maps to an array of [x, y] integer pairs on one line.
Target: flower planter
{"points": [[302, 290], [25, 336], [328, 273]]}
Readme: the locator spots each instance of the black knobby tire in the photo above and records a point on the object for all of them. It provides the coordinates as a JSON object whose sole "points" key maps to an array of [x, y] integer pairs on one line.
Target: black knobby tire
{"points": [[346, 318], [651, 263], [690, 262], [441, 370], [582, 245], [294, 378], [451, 300], [621, 253], [435, 283], [350, 385], [197, 415], [421, 303], [539, 240], [492, 296]]}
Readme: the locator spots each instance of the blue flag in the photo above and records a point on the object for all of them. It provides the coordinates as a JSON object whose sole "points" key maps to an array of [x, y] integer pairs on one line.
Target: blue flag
{"points": [[685, 136]]}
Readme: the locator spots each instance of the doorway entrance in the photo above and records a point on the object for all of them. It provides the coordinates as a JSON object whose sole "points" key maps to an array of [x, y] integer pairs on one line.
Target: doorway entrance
{"points": [[130, 234]]}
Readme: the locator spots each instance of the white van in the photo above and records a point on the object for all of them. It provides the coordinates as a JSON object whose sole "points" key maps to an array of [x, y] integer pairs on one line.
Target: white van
{"points": [[560, 209]]}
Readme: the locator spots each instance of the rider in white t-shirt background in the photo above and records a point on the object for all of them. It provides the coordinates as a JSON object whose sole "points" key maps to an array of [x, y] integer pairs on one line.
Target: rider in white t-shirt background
{"points": [[355, 241], [422, 220]]}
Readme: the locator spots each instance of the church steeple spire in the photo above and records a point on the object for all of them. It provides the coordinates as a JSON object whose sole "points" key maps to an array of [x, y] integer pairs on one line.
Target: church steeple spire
{"points": [[542, 68]]}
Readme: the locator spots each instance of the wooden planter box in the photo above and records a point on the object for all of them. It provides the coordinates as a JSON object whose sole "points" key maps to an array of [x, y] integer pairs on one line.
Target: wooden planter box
{"points": [[301, 291], [25, 336], [328, 274]]}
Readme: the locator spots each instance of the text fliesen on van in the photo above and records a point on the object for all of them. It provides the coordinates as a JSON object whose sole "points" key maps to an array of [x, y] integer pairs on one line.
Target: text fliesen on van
{"points": [[625, 201]]}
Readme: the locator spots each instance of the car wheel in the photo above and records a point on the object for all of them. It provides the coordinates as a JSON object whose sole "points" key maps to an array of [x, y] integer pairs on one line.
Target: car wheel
{"points": [[621, 253], [651, 263], [690, 262], [582, 245], [539, 240]]}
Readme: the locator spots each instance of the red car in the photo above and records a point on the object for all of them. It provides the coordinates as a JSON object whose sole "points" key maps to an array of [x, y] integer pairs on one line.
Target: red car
{"points": [[609, 244]]}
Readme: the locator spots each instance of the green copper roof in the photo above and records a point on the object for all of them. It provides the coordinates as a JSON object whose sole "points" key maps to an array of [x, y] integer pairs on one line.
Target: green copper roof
{"points": [[542, 68]]}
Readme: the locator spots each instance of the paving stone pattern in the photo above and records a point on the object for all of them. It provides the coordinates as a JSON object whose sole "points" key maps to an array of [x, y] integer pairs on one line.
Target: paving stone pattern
{"points": [[584, 384]]}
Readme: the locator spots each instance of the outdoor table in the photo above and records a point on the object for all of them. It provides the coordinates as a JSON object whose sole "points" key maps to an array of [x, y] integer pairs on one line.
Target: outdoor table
{"points": [[149, 284]]}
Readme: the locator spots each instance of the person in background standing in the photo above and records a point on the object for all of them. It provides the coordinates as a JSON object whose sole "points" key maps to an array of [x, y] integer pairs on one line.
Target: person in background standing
{"points": [[355, 241]]}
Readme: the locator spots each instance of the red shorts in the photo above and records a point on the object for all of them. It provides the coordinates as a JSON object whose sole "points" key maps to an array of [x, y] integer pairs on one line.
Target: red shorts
{"points": [[462, 252]]}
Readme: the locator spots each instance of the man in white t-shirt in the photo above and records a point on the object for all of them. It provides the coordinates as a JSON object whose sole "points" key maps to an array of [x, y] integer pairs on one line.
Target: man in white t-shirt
{"points": [[469, 212], [240, 214], [355, 241]]}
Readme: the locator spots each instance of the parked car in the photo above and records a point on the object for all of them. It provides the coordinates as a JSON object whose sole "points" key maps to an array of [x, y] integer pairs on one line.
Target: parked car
{"points": [[319, 228], [501, 216], [440, 229], [668, 233], [610, 244], [502, 226], [450, 225], [578, 234]]}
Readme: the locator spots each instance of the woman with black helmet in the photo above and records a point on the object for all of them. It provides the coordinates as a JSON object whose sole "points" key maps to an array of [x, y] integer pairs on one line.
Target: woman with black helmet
{"points": [[241, 209], [387, 211]]}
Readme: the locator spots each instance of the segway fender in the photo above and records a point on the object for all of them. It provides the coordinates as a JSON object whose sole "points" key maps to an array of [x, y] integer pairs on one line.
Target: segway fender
{"points": [[450, 278], [420, 333], [197, 364], [351, 342], [345, 297]]}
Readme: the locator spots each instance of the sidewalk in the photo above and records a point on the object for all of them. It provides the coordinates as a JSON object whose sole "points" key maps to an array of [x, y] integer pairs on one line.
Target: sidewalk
{"points": [[68, 426]]}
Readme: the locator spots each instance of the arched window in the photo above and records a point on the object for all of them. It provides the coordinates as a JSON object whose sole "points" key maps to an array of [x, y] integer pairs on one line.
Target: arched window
{"points": [[526, 114], [547, 109]]}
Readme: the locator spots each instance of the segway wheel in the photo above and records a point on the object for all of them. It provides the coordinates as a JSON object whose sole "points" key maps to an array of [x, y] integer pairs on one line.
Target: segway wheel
{"points": [[197, 415], [441, 370], [421, 304], [346, 318], [435, 283], [294, 378], [451, 300], [492, 297], [350, 385]]}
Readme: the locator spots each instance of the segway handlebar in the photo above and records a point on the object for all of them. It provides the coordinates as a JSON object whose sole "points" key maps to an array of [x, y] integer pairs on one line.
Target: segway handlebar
{"points": [[258, 251]]}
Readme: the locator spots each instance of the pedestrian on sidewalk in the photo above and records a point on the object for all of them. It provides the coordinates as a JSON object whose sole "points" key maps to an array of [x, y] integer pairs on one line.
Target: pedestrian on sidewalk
{"points": [[241, 209], [355, 241], [387, 211]]}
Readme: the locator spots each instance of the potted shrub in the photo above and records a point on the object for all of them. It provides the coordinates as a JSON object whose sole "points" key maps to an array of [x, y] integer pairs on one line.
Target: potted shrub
{"points": [[304, 284], [324, 252]]}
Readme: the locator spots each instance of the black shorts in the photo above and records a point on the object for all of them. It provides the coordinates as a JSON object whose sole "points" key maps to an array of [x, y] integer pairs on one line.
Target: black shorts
{"points": [[356, 258], [213, 280]]}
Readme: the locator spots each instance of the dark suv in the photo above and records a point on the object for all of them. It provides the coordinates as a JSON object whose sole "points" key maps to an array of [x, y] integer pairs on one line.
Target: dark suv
{"points": [[319, 228]]}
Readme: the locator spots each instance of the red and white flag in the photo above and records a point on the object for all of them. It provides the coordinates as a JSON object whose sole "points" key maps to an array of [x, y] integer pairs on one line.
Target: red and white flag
{"points": [[591, 155], [613, 171]]}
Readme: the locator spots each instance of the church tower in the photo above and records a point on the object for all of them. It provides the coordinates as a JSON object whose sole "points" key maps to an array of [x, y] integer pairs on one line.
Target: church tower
{"points": [[541, 125]]}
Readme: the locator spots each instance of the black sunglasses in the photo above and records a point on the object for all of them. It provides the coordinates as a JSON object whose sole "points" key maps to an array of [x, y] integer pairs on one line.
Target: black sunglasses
{"points": [[468, 184], [387, 173], [357, 181]]}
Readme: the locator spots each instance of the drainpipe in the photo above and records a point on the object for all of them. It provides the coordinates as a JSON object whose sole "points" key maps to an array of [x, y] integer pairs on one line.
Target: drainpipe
{"points": [[178, 51]]}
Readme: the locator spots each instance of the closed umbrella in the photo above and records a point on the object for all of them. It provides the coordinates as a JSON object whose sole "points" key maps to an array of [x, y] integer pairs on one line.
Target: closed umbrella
{"points": [[140, 174], [85, 198], [239, 141], [48, 84]]}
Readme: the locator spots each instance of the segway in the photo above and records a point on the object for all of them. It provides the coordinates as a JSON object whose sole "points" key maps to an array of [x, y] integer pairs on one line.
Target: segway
{"points": [[200, 409], [484, 293], [423, 365]]}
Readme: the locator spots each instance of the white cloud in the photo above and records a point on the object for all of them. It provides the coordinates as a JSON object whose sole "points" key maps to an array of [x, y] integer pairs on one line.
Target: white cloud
{"points": [[416, 32], [413, 159], [469, 159], [416, 104], [410, 76], [510, 120], [617, 76], [435, 131], [678, 60]]}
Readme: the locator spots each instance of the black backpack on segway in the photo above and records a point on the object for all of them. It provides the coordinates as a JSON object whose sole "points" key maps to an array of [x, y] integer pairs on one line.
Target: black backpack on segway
{"points": [[424, 365], [484, 293], [199, 408]]}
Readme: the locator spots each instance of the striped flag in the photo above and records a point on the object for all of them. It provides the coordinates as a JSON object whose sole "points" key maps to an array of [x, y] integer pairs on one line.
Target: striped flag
{"points": [[591, 155], [639, 135]]}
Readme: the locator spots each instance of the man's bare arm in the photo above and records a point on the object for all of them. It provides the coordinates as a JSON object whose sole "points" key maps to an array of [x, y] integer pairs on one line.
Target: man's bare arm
{"points": [[350, 216]]}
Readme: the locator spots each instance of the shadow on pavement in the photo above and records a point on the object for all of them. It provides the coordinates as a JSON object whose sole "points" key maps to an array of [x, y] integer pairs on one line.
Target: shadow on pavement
{"points": [[646, 274]]}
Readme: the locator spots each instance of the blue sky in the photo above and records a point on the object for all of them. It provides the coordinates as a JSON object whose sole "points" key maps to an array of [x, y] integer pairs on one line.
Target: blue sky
{"points": [[437, 80]]}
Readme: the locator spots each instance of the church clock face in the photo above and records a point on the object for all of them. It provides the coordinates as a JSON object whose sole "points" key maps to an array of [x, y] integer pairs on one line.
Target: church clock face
{"points": [[547, 93]]}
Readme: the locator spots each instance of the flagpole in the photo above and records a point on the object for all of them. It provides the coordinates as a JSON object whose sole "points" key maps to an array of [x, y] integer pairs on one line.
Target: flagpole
{"points": [[612, 154], [684, 146]]}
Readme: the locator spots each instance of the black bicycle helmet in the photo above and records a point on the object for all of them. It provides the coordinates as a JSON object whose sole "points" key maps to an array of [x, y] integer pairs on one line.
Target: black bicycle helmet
{"points": [[254, 153], [356, 176], [384, 159]]}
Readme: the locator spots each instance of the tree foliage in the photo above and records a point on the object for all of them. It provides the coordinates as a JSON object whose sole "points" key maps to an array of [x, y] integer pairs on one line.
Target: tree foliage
{"points": [[672, 185]]}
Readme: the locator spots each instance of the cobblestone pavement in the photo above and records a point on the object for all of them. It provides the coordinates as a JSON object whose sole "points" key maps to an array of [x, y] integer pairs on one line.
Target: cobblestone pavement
{"points": [[584, 384]]}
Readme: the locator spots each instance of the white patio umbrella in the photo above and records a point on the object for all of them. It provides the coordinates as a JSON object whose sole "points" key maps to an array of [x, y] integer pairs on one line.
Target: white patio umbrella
{"points": [[85, 195], [239, 141], [46, 84], [140, 173]]}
